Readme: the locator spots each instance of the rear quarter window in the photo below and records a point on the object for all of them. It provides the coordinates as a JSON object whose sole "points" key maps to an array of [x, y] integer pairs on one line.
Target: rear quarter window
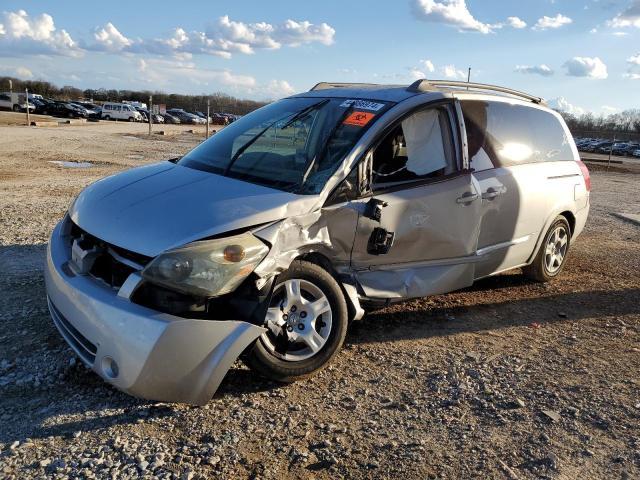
{"points": [[502, 134]]}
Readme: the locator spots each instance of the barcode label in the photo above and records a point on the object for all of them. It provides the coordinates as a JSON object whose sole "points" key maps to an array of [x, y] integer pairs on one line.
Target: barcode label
{"points": [[363, 105]]}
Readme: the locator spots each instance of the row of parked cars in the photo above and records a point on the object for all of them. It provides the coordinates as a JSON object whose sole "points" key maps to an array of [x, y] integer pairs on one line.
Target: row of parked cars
{"points": [[599, 145], [108, 111]]}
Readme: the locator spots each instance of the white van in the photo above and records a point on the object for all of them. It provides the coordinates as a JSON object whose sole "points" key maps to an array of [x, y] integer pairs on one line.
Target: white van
{"points": [[120, 111], [15, 101]]}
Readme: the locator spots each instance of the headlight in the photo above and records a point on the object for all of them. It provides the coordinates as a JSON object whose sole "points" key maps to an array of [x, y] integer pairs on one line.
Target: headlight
{"points": [[209, 267]]}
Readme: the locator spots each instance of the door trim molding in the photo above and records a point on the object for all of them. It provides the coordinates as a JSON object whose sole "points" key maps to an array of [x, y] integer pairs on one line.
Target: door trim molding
{"points": [[479, 256]]}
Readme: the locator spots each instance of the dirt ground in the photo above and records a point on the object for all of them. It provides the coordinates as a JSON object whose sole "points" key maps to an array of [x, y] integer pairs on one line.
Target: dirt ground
{"points": [[507, 379]]}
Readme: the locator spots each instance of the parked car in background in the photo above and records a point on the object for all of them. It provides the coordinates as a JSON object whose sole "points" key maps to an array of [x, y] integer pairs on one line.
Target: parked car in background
{"points": [[202, 115], [93, 111], [636, 153], [15, 101], [630, 148], [65, 109], [219, 119], [120, 111], [186, 117], [143, 113], [168, 118], [268, 239], [157, 118]]}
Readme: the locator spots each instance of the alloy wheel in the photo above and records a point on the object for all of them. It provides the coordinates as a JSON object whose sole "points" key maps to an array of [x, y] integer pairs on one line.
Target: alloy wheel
{"points": [[556, 249], [298, 320]]}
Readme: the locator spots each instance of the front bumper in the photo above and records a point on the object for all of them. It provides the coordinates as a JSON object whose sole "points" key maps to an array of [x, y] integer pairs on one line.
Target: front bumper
{"points": [[140, 351]]}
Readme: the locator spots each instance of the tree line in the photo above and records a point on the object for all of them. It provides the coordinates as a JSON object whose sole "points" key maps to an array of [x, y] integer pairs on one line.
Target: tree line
{"points": [[626, 124], [219, 102]]}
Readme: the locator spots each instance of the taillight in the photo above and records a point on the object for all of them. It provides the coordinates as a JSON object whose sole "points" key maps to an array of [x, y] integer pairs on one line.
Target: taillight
{"points": [[585, 174]]}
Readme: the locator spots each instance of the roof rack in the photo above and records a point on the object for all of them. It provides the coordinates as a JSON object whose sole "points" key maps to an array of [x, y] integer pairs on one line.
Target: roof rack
{"points": [[327, 85], [421, 86]]}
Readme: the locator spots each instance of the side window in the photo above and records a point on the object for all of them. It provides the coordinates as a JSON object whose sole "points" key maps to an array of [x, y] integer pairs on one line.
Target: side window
{"points": [[501, 134], [419, 147], [5, 97]]}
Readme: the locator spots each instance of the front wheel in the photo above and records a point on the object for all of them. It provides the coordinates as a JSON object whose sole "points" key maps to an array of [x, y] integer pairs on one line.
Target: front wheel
{"points": [[306, 324], [553, 252]]}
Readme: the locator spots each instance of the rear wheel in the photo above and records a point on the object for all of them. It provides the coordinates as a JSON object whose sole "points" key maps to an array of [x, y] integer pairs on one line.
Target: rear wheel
{"points": [[131, 119], [552, 255], [16, 108], [306, 324], [107, 117]]}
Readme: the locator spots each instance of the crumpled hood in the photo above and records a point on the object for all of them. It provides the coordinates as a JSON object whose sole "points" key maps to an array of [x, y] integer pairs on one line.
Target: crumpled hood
{"points": [[161, 206]]}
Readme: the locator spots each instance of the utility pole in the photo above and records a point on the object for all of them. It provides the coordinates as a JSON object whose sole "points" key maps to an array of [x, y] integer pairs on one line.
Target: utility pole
{"points": [[26, 91], [150, 110], [10, 86], [610, 151], [468, 76], [207, 133]]}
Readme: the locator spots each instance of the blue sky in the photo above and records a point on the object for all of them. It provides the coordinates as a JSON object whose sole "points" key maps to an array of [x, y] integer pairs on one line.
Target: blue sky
{"points": [[584, 55]]}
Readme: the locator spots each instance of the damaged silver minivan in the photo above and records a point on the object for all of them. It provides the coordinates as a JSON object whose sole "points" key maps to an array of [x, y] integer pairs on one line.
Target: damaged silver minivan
{"points": [[267, 239]]}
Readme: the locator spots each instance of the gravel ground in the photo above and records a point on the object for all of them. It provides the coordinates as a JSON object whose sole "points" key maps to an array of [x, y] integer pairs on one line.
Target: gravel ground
{"points": [[508, 379]]}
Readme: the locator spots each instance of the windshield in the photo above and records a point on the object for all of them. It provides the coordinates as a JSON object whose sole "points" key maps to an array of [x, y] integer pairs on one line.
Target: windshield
{"points": [[294, 144]]}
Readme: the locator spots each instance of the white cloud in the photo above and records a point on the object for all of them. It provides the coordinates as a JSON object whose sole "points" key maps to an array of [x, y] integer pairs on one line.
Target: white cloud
{"points": [[21, 34], [546, 23], [630, 17], [634, 60], [563, 105], [279, 89], [21, 72], [543, 70], [516, 22], [427, 65], [586, 67], [450, 71], [223, 40], [608, 110], [450, 12], [168, 72], [620, 34], [634, 67], [293, 33], [109, 38], [24, 72]]}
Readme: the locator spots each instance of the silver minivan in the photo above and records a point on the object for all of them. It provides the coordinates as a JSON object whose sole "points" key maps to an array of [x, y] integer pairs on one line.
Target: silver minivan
{"points": [[266, 240]]}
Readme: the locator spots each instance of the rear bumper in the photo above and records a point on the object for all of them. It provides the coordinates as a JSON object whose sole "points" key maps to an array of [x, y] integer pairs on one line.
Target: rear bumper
{"points": [[140, 351]]}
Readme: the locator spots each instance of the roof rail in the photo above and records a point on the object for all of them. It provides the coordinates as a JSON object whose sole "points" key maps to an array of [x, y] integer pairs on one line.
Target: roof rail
{"points": [[424, 85], [327, 85]]}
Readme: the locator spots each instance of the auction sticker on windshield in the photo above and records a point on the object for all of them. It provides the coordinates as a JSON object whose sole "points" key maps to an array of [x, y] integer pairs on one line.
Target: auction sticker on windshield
{"points": [[363, 105], [359, 119]]}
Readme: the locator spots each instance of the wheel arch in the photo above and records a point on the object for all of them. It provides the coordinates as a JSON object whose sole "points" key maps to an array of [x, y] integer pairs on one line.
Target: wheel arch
{"points": [[561, 212], [571, 219], [347, 286]]}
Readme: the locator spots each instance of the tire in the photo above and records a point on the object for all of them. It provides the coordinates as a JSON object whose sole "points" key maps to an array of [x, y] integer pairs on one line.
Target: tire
{"points": [[16, 108], [303, 361], [107, 117], [552, 255], [131, 119]]}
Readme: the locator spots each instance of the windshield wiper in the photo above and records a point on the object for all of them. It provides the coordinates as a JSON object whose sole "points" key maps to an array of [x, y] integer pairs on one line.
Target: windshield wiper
{"points": [[325, 145], [253, 139], [250, 142], [305, 111]]}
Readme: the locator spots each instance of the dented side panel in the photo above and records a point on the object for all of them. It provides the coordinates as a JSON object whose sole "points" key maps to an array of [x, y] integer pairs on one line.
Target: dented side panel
{"points": [[329, 231], [435, 240]]}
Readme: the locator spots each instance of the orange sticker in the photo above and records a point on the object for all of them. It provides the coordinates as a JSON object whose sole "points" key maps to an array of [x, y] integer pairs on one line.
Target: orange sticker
{"points": [[359, 119]]}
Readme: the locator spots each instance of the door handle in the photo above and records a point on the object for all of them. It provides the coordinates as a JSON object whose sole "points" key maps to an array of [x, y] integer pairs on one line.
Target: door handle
{"points": [[467, 197], [492, 193]]}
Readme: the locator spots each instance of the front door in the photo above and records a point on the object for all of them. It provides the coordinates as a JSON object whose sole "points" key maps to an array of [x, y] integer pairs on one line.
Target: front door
{"points": [[417, 235]]}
